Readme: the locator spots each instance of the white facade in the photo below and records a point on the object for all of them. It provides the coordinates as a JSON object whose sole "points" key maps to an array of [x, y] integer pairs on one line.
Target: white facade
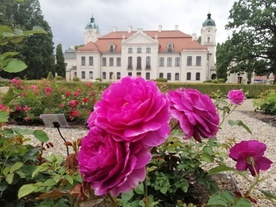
{"points": [[169, 54]]}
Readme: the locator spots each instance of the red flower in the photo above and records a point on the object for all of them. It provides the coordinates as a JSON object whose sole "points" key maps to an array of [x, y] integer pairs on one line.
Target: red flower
{"points": [[73, 103], [77, 93], [48, 90], [67, 94], [85, 100], [74, 113], [62, 105], [88, 84], [3, 107], [27, 108], [18, 108]]}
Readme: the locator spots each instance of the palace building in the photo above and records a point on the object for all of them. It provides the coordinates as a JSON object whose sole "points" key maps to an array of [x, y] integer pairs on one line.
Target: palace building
{"points": [[153, 54]]}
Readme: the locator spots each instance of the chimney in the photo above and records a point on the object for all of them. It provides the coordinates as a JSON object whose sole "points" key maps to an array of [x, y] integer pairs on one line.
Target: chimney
{"points": [[114, 29], [176, 27], [194, 36], [159, 28], [129, 29]]}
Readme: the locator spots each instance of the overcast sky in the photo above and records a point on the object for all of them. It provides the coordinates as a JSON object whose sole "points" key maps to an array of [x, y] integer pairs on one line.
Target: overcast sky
{"points": [[68, 18]]}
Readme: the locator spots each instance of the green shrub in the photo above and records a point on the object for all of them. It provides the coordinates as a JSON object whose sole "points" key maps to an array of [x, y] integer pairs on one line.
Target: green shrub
{"points": [[221, 80], [214, 81], [59, 78], [98, 79], [161, 80], [207, 81], [267, 102], [76, 79], [50, 76]]}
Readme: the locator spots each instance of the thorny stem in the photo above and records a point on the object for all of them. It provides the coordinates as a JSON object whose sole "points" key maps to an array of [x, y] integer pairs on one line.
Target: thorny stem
{"points": [[225, 116], [175, 126], [146, 198], [114, 203]]}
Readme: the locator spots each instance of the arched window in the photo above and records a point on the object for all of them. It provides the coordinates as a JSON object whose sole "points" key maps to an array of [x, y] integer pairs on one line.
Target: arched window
{"points": [[118, 75], [91, 74], [176, 76], [161, 62], [139, 50], [148, 62], [169, 76], [83, 74], [147, 76], [104, 75], [197, 76], [129, 64], [188, 76], [139, 62], [148, 50], [130, 50]]}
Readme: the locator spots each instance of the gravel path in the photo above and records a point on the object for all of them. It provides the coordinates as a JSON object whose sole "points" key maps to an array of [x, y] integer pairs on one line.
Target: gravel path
{"points": [[260, 131]]}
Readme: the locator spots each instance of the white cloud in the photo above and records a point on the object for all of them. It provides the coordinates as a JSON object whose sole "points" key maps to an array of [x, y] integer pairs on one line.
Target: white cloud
{"points": [[68, 18]]}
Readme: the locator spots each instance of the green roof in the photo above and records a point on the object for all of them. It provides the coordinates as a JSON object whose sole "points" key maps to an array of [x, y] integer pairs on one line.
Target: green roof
{"points": [[92, 24], [209, 21]]}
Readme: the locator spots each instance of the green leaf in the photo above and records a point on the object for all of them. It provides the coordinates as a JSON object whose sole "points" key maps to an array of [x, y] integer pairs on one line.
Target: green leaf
{"points": [[16, 166], [4, 116], [228, 196], [26, 190], [221, 168], [208, 150], [8, 96], [239, 123], [268, 194], [40, 168], [41, 135], [8, 55], [207, 158], [242, 202], [69, 179], [15, 66], [217, 201], [139, 189], [50, 182], [127, 196], [9, 178], [23, 131], [6, 170]]}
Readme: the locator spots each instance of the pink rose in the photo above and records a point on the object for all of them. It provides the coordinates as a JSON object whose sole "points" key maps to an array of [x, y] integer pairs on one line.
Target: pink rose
{"points": [[250, 154], [236, 97], [133, 109], [110, 166], [73, 103], [195, 112]]}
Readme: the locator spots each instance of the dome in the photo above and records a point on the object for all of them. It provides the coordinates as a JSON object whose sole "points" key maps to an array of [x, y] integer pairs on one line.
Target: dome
{"points": [[92, 24], [209, 21]]}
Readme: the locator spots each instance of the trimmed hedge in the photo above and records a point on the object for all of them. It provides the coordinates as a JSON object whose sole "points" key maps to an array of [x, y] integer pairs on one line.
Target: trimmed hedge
{"points": [[251, 90]]}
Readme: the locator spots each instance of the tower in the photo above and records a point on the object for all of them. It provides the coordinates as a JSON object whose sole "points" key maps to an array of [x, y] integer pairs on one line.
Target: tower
{"points": [[92, 31], [208, 39]]}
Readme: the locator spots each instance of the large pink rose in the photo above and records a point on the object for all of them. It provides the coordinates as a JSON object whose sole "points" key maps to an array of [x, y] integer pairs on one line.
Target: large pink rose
{"points": [[236, 97], [195, 112], [111, 166], [133, 109]]}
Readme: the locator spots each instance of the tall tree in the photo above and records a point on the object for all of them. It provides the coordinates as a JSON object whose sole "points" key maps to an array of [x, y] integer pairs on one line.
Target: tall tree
{"points": [[60, 64], [223, 58], [37, 50], [254, 36]]}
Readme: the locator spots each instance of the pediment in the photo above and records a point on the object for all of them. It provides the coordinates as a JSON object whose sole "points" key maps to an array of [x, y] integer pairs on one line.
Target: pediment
{"points": [[139, 38]]}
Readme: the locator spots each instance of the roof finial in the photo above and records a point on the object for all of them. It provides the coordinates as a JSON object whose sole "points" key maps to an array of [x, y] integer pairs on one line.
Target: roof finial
{"points": [[92, 19]]}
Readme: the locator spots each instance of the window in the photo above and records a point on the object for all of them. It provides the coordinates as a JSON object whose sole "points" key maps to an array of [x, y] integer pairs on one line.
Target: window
{"points": [[138, 74], [139, 50], [104, 75], [118, 61], [198, 60], [188, 76], [83, 75], [148, 50], [111, 61], [90, 60], [118, 75], [91, 74], [147, 76], [104, 61], [208, 39], [111, 48], [110, 75], [129, 73], [130, 50], [161, 75], [148, 62], [170, 48], [129, 64], [189, 60], [197, 76], [169, 76], [82, 60], [161, 62], [177, 61], [176, 77], [169, 62], [139, 62]]}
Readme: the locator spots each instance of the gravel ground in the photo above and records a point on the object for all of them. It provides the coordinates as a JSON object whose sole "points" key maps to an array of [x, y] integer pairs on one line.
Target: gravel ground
{"points": [[260, 131]]}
